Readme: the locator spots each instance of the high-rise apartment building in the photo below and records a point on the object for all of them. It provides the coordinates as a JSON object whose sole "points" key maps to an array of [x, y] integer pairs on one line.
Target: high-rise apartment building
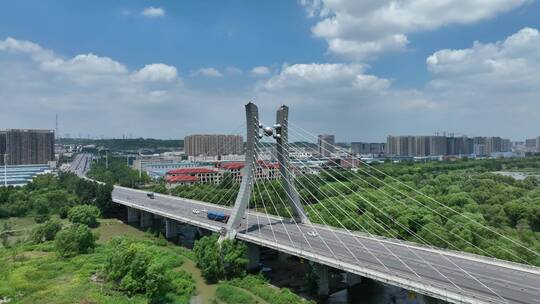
{"points": [[26, 147], [213, 145], [443, 145], [326, 144], [368, 148], [2, 146], [530, 143]]}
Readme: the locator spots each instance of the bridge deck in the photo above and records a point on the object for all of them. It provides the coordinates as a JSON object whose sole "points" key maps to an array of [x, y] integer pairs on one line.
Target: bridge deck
{"points": [[426, 270]]}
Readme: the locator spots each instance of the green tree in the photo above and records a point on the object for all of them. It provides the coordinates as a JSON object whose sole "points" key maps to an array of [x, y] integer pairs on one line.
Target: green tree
{"points": [[103, 198], [75, 239], [46, 232], [5, 233], [136, 268], [63, 212], [84, 214], [234, 255], [41, 218], [208, 258]]}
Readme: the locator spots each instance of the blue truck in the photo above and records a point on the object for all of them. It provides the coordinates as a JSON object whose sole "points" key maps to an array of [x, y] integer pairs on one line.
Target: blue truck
{"points": [[217, 216]]}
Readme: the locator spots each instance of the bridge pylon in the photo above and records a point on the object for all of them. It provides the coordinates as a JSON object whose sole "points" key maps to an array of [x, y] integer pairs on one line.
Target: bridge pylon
{"points": [[280, 133]]}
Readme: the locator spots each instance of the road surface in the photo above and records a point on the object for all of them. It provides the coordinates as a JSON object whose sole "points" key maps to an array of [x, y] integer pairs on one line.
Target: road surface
{"points": [[463, 277]]}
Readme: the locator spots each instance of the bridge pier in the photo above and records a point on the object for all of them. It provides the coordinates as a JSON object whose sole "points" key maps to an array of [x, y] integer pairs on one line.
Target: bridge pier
{"points": [[171, 229], [323, 276], [133, 215], [254, 256], [146, 219], [282, 256], [352, 279], [189, 234]]}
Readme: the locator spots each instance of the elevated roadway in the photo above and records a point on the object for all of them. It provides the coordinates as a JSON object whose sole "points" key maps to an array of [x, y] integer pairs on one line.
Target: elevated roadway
{"points": [[448, 275], [81, 164]]}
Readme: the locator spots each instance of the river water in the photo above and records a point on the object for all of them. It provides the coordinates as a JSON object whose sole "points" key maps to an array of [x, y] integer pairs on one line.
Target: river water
{"points": [[371, 292]]}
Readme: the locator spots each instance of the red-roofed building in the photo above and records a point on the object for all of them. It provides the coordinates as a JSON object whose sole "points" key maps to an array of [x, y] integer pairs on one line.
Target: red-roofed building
{"points": [[231, 166], [191, 171], [173, 181], [206, 175], [192, 175]]}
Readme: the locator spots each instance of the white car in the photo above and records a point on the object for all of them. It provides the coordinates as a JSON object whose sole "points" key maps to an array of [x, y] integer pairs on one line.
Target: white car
{"points": [[196, 211], [313, 233]]}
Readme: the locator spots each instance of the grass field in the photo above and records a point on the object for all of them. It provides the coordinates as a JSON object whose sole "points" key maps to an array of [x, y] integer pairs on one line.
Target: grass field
{"points": [[32, 273]]}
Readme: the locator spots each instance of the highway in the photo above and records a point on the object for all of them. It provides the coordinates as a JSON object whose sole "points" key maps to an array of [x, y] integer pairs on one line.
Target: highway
{"points": [[448, 275], [81, 164]]}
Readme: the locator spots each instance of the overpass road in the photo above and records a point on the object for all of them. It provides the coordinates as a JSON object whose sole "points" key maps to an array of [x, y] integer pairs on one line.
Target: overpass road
{"points": [[81, 164], [448, 275]]}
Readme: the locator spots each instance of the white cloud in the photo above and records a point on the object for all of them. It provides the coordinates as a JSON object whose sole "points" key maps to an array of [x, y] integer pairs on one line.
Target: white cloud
{"points": [[98, 95], [323, 76], [22, 46], [153, 12], [233, 70], [81, 69], [85, 64], [260, 71], [156, 72], [514, 62], [367, 28], [208, 72], [489, 88]]}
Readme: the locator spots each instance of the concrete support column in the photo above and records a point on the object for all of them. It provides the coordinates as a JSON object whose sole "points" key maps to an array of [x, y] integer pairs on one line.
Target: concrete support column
{"points": [[282, 256], [170, 228], [254, 256], [352, 279], [133, 215], [189, 234], [146, 219], [322, 279]]}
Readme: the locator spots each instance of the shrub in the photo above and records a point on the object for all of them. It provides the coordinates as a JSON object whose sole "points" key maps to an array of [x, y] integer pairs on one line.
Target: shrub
{"points": [[215, 261], [46, 232], [235, 260], [208, 258], [84, 214], [63, 212], [41, 218], [74, 240], [232, 295], [138, 268], [257, 285]]}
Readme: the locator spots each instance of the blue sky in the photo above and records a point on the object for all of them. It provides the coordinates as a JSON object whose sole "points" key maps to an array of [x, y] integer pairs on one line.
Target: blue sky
{"points": [[357, 69]]}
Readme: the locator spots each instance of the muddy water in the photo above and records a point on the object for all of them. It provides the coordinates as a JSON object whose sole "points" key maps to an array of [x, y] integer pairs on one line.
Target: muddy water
{"points": [[205, 292], [377, 293]]}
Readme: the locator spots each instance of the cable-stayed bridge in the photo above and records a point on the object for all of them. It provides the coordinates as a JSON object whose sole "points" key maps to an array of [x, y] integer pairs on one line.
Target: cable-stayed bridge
{"points": [[444, 274]]}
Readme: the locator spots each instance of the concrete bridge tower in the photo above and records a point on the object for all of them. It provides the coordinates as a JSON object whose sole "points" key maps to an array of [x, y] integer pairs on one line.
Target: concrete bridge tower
{"points": [[279, 132]]}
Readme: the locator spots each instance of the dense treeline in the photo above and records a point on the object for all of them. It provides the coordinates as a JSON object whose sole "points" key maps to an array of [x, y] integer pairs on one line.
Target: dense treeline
{"points": [[133, 144], [459, 205], [118, 172], [48, 194], [143, 271], [218, 261]]}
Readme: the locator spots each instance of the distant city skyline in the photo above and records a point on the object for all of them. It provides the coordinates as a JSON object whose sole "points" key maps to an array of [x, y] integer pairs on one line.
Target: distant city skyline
{"points": [[359, 70]]}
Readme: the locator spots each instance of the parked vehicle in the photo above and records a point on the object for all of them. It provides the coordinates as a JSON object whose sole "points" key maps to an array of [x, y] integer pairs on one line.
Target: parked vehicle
{"points": [[150, 195], [217, 216]]}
